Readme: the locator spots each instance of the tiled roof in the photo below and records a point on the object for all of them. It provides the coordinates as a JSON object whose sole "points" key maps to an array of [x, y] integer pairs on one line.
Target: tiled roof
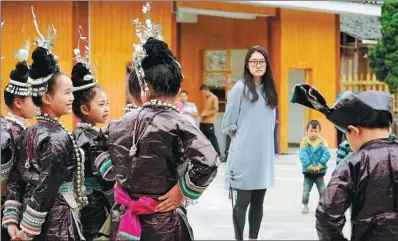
{"points": [[361, 27]]}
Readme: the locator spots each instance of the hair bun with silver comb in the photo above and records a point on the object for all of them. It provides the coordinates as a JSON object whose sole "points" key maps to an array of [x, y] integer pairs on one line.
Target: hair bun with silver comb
{"points": [[19, 76], [82, 76], [44, 64]]}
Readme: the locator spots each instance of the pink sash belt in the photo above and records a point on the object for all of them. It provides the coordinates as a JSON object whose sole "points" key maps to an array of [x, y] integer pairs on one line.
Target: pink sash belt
{"points": [[130, 226]]}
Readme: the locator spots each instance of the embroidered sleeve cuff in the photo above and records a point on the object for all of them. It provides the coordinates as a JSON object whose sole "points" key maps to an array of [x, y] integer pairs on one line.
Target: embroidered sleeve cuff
{"points": [[5, 170], [11, 212], [189, 190], [104, 164], [32, 221], [229, 129]]}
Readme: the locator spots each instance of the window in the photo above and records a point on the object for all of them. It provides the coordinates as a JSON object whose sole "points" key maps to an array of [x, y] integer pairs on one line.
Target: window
{"points": [[222, 67]]}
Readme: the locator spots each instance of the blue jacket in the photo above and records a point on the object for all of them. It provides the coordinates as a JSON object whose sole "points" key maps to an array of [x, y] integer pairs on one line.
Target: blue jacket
{"points": [[314, 155]]}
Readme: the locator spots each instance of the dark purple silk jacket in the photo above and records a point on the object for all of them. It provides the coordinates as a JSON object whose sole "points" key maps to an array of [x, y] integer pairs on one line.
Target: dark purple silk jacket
{"points": [[38, 191], [99, 191], [367, 180], [171, 150], [7, 151]]}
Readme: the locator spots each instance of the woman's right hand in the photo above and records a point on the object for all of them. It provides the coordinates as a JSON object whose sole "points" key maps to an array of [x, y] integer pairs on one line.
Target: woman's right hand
{"points": [[232, 133], [12, 230]]}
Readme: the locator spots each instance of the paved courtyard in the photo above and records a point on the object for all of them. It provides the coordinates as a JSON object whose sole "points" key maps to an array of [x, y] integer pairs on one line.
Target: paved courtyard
{"points": [[211, 218]]}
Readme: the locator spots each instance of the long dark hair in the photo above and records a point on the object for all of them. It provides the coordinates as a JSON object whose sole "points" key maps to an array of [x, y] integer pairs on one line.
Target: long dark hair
{"points": [[268, 89]]}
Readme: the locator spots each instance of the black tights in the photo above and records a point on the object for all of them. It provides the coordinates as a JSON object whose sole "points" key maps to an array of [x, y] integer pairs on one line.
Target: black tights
{"points": [[256, 199]]}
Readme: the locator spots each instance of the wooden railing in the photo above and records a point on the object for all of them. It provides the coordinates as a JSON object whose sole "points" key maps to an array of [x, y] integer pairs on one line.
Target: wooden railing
{"points": [[364, 83]]}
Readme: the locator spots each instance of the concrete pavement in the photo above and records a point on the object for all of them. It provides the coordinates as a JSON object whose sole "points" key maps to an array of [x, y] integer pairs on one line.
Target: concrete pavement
{"points": [[211, 218]]}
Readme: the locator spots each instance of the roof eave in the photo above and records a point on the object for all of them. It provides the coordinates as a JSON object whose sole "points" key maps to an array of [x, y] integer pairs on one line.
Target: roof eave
{"points": [[323, 6]]}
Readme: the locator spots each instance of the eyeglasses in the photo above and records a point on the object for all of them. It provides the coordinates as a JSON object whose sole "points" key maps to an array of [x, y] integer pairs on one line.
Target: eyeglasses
{"points": [[255, 63]]}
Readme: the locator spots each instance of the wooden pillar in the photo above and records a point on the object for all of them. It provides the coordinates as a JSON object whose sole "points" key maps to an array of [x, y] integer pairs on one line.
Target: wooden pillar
{"points": [[174, 44], [338, 55], [275, 50], [338, 62], [80, 18]]}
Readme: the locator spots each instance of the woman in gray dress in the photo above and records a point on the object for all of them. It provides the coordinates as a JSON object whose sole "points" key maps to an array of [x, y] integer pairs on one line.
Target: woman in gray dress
{"points": [[250, 121]]}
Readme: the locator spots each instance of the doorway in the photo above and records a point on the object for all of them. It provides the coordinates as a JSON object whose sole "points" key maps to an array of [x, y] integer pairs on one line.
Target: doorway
{"points": [[297, 113]]}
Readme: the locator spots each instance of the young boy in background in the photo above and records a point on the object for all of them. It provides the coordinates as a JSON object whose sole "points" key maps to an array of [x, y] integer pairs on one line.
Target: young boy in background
{"points": [[314, 154]]}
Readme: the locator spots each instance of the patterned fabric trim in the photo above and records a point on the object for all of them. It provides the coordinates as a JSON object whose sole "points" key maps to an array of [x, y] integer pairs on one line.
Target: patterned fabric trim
{"points": [[104, 164], [189, 190], [5, 170], [32, 221], [92, 183], [127, 237], [11, 212], [66, 187]]}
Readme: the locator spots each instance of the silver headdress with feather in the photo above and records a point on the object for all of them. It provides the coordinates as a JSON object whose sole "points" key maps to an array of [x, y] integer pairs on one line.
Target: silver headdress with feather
{"points": [[85, 61], [39, 86], [16, 87], [144, 32]]}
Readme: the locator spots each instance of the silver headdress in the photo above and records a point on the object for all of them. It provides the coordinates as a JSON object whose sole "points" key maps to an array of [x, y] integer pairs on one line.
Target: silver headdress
{"points": [[39, 86], [144, 32], [48, 41], [85, 61], [17, 87]]}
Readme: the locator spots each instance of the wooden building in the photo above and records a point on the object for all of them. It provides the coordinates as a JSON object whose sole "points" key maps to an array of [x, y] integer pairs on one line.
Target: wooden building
{"points": [[209, 38], [357, 34]]}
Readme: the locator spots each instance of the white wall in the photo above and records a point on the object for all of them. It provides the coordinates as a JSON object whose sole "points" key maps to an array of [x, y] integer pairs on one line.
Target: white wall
{"points": [[296, 122]]}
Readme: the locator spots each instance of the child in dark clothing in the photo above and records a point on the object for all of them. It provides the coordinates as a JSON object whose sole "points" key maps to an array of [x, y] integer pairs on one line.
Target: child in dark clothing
{"points": [[367, 180]]}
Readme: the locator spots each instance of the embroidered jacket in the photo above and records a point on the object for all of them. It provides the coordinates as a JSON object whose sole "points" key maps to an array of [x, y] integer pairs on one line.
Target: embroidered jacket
{"points": [[171, 150], [40, 186], [100, 191]]}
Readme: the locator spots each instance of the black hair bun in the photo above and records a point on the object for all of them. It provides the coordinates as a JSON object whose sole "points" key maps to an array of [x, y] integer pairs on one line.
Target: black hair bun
{"points": [[43, 64], [158, 52], [20, 73], [78, 73]]}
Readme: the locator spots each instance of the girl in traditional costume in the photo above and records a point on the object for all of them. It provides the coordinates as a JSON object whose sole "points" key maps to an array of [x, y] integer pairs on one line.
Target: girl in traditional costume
{"points": [[135, 92], [156, 156], [17, 94], [17, 97], [7, 151], [44, 190], [91, 106]]}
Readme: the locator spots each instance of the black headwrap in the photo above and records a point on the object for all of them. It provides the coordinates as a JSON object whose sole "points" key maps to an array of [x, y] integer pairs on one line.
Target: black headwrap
{"points": [[351, 109]]}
